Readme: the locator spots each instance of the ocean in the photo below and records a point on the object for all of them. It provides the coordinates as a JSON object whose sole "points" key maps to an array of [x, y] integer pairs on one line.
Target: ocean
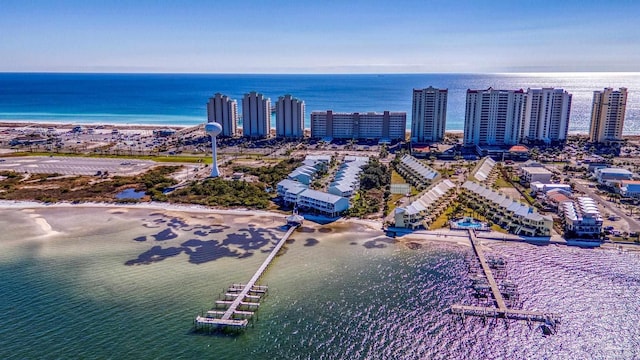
{"points": [[340, 291], [180, 99]]}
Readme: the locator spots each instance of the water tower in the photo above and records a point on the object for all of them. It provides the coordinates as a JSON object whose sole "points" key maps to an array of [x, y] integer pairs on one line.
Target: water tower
{"points": [[213, 129]]}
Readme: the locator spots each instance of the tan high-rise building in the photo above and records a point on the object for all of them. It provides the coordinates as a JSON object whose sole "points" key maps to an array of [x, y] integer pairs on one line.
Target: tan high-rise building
{"points": [[224, 111], [607, 115], [256, 115], [289, 117], [386, 126]]}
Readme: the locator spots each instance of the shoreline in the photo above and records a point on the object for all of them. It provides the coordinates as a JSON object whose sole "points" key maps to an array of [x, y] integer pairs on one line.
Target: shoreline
{"points": [[63, 124]]}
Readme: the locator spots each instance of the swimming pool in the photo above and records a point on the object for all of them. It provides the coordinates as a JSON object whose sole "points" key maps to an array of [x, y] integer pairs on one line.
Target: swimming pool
{"points": [[469, 223]]}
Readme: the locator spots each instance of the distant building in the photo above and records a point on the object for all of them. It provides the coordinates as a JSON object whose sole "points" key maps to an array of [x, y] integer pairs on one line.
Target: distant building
{"points": [[380, 126], [224, 111], [542, 188], [530, 175], [607, 115], [256, 115], [289, 117], [494, 117], [416, 172], [483, 169], [347, 179], [429, 114], [630, 188], [546, 116], [611, 176]]}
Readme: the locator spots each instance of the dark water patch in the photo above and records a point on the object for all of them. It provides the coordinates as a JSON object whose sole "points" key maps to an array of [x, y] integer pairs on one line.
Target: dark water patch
{"points": [[201, 252], [248, 239], [304, 229], [325, 230], [311, 242], [164, 235], [290, 241], [353, 243], [155, 254], [200, 233], [378, 243], [140, 238]]}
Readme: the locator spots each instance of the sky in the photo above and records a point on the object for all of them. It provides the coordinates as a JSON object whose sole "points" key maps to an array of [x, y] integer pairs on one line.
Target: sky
{"points": [[321, 36]]}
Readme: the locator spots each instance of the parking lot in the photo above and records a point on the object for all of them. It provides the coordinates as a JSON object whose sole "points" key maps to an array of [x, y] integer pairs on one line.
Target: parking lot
{"points": [[74, 165]]}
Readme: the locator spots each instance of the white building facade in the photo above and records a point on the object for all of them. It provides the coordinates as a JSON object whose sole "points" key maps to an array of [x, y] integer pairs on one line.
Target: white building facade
{"points": [[607, 115], [494, 117], [429, 114], [256, 115], [546, 116], [224, 111], [379, 126], [289, 117]]}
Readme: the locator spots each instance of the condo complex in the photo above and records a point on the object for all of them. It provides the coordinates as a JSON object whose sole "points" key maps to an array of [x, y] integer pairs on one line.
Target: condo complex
{"points": [[497, 123]]}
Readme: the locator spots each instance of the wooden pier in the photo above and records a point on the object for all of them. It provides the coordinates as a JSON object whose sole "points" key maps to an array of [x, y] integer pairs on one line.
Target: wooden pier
{"points": [[240, 300], [501, 311], [497, 295]]}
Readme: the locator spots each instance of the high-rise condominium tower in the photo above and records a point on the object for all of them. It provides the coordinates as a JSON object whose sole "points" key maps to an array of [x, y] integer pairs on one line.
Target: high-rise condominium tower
{"points": [[546, 115], [607, 115], [224, 111], [429, 114], [494, 117], [379, 126], [256, 115], [289, 117]]}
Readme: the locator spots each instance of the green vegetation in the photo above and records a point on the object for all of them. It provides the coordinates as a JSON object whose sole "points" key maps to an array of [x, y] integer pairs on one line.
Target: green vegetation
{"points": [[270, 175], [443, 219], [220, 192], [502, 183], [53, 187], [374, 190]]}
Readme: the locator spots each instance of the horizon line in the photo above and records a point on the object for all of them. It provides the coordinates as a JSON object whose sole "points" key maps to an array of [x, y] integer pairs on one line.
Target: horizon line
{"points": [[325, 73]]}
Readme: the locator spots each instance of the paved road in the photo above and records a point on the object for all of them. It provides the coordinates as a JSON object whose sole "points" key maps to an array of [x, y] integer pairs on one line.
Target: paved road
{"points": [[73, 165]]}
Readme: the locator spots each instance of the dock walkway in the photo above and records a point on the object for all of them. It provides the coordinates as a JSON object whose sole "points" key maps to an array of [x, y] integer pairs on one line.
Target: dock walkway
{"points": [[497, 295], [243, 298], [501, 311]]}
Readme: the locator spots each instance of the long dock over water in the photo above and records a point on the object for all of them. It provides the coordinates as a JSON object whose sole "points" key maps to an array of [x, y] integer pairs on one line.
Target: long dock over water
{"points": [[241, 300], [497, 295], [501, 311]]}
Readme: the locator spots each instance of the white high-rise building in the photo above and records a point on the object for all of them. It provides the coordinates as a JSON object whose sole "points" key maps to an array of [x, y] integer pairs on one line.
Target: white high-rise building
{"points": [[547, 115], [224, 111], [429, 114], [607, 115], [494, 117], [378, 126], [289, 117], [256, 115]]}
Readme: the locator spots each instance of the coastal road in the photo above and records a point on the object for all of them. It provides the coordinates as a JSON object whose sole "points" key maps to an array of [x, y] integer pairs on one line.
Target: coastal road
{"points": [[73, 165]]}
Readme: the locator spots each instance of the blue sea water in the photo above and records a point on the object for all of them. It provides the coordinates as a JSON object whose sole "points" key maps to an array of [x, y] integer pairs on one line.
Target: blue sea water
{"points": [[179, 99]]}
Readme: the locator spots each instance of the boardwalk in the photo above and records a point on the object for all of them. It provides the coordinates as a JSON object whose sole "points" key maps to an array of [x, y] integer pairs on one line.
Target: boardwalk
{"points": [[501, 311], [242, 299], [497, 295]]}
